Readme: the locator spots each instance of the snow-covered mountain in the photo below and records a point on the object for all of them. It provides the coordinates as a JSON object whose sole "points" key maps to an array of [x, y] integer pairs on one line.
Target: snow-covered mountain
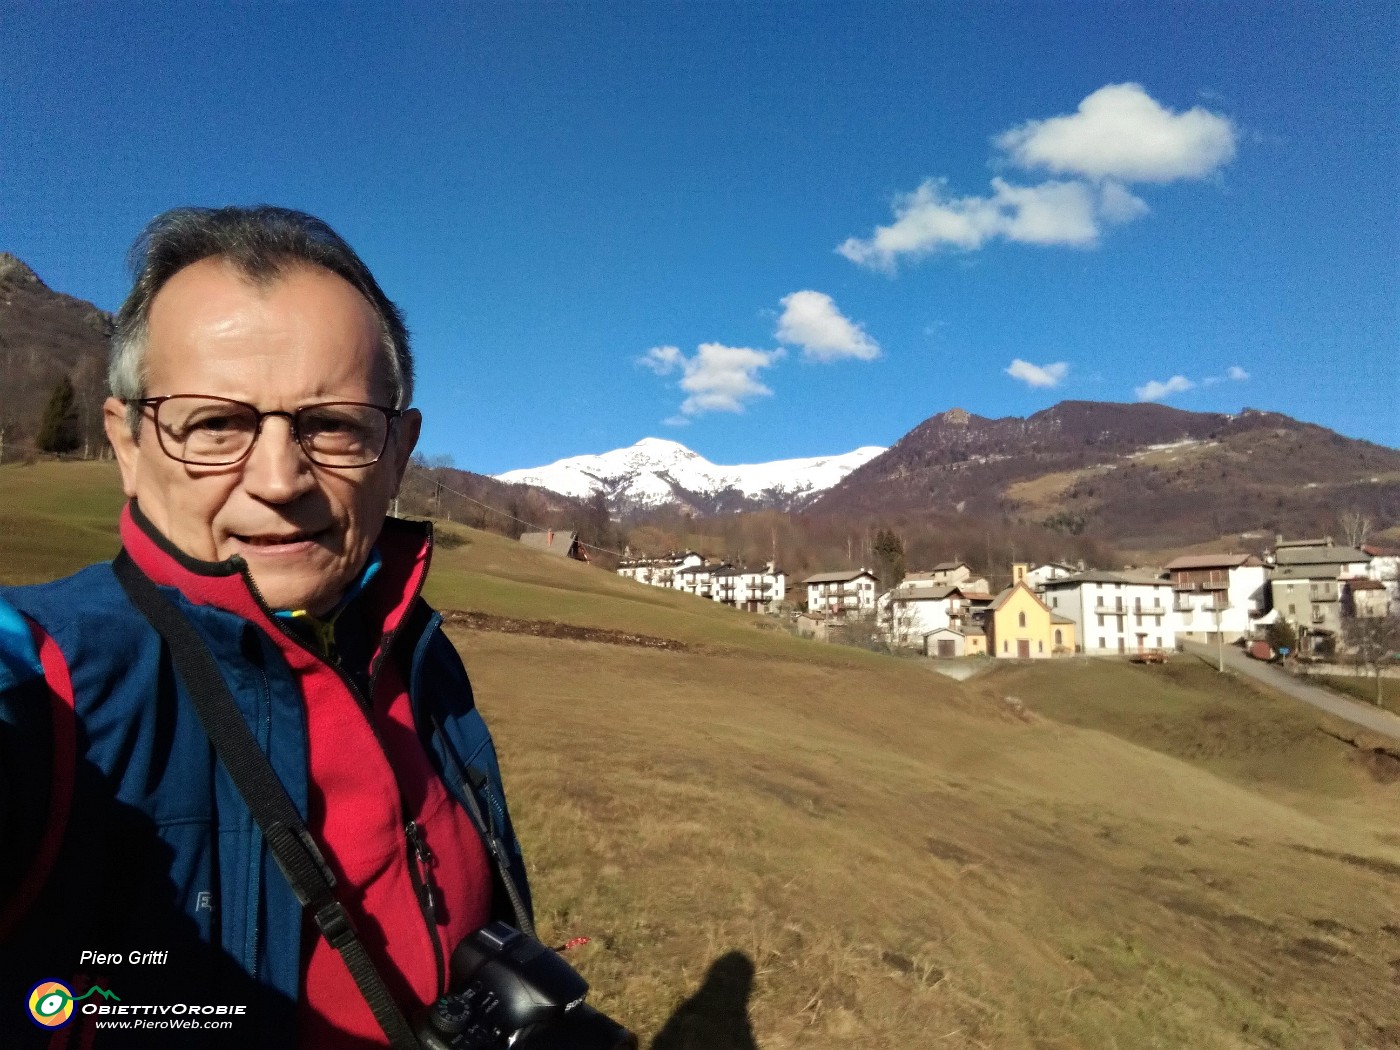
{"points": [[655, 472]]}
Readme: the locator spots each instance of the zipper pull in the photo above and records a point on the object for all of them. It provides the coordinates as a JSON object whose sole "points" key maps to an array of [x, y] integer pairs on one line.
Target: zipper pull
{"points": [[424, 856]]}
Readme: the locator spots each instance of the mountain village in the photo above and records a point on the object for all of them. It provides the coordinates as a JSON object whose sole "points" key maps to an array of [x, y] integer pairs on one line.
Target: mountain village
{"points": [[1316, 587]]}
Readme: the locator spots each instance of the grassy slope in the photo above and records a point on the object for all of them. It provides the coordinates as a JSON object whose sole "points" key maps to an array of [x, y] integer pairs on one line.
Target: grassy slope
{"points": [[56, 517], [1135, 858]]}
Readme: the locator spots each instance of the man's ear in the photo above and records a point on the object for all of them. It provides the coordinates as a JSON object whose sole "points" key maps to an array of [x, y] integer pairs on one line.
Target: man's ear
{"points": [[123, 443], [406, 433]]}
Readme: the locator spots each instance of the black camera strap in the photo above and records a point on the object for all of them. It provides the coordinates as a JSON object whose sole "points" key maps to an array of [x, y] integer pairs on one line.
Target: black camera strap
{"points": [[286, 834]]}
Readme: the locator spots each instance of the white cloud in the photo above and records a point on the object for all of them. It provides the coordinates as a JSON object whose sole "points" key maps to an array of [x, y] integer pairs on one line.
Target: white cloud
{"points": [[1232, 374], [1121, 132], [1155, 390], [812, 321], [1118, 135], [717, 378], [1037, 375], [928, 219], [662, 359], [1118, 205]]}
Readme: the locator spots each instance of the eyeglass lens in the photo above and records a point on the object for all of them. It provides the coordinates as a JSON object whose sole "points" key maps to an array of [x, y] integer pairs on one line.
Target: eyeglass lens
{"points": [[214, 432]]}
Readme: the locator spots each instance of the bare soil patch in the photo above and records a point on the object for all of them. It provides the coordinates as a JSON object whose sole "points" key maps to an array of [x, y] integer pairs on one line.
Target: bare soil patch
{"points": [[479, 621]]}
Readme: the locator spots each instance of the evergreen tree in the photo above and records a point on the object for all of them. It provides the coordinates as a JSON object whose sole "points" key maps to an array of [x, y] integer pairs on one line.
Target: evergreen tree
{"points": [[888, 551], [58, 431]]}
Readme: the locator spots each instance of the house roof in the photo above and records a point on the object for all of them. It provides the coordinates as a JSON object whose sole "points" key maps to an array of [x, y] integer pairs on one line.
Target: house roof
{"points": [[1380, 552], [1363, 583], [1212, 561], [1319, 555], [554, 541], [1005, 596], [923, 594], [1140, 577], [697, 570], [949, 566], [840, 577], [1092, 576], [977, 596], [1306, 572], [1057, 618], [965, 632]]}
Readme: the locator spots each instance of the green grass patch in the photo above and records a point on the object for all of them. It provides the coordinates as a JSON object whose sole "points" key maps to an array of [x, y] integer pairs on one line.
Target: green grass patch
{"points": [[56, 517]]}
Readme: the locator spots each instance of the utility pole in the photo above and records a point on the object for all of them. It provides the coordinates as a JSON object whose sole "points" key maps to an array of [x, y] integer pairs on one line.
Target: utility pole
{"points": [[1219, 636]]}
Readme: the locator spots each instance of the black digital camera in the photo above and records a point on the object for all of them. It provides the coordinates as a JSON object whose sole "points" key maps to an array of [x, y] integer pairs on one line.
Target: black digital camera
{"points": [[509, 990]]}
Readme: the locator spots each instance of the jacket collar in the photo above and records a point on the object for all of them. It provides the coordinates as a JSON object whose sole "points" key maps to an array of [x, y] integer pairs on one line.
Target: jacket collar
{"points": [[405, 548]]}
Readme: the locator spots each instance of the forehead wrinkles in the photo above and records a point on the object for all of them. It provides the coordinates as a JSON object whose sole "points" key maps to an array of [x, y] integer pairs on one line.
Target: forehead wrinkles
{"points": [[298, 323]]}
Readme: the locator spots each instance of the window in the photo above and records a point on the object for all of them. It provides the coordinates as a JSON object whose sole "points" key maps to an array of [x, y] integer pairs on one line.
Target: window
{"points": [[1040, 647], [1055, 602], [1102, 645], [1005, 646], [1021, 619], [1059, 637], [1291, 610], [1100, 619]]}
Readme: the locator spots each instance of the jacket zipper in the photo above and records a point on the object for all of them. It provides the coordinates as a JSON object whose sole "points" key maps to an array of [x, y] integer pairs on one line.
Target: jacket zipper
{"points": [[418, 853]]}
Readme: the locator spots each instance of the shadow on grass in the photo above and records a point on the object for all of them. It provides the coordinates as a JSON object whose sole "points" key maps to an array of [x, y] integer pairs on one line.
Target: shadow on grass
{"points": [[717, 1016]]}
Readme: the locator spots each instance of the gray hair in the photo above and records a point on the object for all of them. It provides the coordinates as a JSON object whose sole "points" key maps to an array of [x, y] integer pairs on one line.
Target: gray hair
{"points": [[264, 243]]}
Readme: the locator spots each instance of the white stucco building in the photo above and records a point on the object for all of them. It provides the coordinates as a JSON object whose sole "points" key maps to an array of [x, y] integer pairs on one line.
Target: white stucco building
{"points": [[850, 592], [658, 572], [1217, 594], [1115, 612], [755, 590]]}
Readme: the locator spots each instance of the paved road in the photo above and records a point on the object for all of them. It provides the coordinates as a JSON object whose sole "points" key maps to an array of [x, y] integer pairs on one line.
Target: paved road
{"points": [[1372, 718]]}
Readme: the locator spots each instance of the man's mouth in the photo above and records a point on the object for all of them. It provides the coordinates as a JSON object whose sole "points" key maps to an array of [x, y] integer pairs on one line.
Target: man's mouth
{"points": [[278, 539]]}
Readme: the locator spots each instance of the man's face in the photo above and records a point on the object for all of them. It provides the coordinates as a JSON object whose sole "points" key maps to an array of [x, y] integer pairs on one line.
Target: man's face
{"points": [[305, 530]]}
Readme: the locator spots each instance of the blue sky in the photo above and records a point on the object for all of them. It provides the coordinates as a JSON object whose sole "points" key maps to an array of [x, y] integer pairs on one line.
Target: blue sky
{"points": [[764, 230]]}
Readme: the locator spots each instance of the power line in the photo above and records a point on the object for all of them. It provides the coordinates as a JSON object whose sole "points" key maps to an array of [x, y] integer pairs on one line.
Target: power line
{"points": [[441, 487]]}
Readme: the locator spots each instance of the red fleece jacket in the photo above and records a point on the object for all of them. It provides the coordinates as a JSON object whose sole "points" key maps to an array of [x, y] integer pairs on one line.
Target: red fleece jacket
{"points": [[369, 777]]}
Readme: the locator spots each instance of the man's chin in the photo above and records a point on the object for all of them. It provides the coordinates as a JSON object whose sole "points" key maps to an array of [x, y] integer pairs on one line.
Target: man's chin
{"points": [[281, 590]]}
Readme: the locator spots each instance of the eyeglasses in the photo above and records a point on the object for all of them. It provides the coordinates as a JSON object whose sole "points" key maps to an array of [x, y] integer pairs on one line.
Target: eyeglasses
{"points": [[219, 432]]}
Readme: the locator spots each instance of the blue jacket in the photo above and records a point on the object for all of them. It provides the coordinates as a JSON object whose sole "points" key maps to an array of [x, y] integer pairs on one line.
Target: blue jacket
{"points": [[126, 832]]}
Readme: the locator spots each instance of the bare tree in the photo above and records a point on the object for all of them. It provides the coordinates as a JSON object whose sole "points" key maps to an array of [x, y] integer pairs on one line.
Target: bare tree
{"points": [[1375, 641], [1355, 526], [899, 622]]}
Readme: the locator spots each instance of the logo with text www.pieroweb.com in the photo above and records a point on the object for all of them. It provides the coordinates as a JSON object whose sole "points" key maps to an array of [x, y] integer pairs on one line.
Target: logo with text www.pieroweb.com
{"points": [[51, 1003]]}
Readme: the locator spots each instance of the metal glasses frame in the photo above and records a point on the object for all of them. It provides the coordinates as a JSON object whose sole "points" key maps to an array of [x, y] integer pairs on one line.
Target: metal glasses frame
{"points": [[292, 418]]}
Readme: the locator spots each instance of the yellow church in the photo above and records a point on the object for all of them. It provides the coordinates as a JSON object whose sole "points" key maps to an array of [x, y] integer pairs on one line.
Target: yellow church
{"points": [[1021, 627]]}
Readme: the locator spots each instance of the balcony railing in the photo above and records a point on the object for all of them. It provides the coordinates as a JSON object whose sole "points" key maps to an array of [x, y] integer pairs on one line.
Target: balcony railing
{"points": [[1181, 604]]}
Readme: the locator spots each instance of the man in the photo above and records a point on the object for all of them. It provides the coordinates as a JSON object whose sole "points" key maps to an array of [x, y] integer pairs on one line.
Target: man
{"points": [[261, 382]]}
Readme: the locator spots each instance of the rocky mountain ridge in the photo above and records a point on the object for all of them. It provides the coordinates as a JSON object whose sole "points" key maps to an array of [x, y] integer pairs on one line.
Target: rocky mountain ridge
{"points": [[1145, 475], [45, 335]]}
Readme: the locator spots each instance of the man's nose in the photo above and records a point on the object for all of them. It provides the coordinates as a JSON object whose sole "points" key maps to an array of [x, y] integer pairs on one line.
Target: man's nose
{"points": [[277, 470]]}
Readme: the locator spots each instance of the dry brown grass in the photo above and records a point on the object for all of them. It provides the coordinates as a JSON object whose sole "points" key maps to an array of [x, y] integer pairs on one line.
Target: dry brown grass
{"points": [[904, 863], [781, 844]]}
